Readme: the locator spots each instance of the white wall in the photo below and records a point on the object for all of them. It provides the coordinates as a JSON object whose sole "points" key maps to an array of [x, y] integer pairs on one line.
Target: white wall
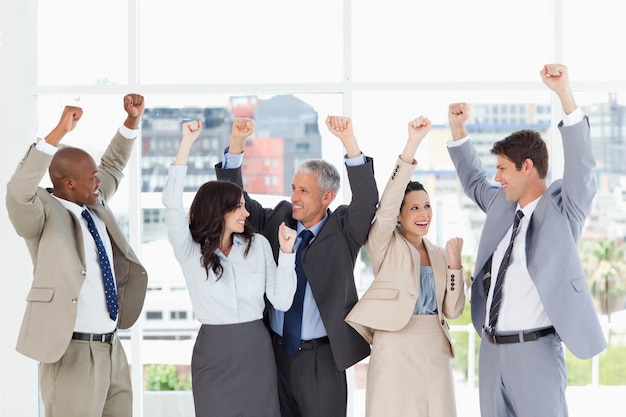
{"points": [[18, 385]]}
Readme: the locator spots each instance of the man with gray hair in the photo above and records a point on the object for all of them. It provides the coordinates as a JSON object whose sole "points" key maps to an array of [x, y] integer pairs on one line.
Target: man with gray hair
{"points": [[313, 345]]}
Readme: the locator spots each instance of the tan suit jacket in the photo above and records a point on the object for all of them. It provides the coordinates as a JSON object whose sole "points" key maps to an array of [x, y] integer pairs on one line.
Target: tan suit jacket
{"points": [[389, 302], [54, 239]]}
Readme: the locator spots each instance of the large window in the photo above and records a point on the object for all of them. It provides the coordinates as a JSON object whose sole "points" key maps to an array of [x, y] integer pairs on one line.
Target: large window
{"points": [[289, 64]]}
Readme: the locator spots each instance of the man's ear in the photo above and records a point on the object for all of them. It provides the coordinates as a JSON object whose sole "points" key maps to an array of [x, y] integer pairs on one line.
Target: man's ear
{"points": [[527, 166], [68, 182], [327, 197]]}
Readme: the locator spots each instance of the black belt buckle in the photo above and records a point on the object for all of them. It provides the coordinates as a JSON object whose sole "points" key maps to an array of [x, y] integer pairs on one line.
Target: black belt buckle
{"points": [[94, 337], [490, 335], [304, 344], [313, 343], [530, 336]]}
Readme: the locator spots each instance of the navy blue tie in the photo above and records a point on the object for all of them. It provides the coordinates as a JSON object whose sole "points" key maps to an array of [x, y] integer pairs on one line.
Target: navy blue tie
{"points": [[292, 326], [105, 267], [504, 265]]}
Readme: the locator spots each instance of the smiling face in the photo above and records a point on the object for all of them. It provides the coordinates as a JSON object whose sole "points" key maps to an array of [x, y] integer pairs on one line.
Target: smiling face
{"points": [[74, 176], [308, 201], [415, 215], [513, 181], [235, 220], [82, 186]]}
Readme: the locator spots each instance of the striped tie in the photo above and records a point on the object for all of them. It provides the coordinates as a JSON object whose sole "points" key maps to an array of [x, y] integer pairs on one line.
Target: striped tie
{"points": [[506, 260]]}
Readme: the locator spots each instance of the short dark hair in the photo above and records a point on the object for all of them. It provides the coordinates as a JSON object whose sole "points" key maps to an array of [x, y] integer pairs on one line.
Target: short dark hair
{"points": [[521, 145], [213, 200], [412, 186]]}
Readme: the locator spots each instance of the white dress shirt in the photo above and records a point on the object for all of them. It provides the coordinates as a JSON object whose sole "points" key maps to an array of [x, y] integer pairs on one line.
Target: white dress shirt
{"points": [[237, 297]]}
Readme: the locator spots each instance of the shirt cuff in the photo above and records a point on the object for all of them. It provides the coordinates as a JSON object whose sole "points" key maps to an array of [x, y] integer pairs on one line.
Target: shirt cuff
{"points": [[45, 147], [128, 133], [574, 117], [355, 161], [454, 143], [231, 160]]}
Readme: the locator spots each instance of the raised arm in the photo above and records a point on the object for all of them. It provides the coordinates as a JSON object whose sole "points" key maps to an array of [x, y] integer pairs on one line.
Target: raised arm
{"points": [[69, 119], [242, 129], [134, 107], [387, 212], [458, 114], [556, 77], [190, 132], [342, 128], [117, 154], [418, 129]]}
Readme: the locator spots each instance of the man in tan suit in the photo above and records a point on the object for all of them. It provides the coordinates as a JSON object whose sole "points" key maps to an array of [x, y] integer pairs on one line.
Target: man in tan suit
{"points": [[69, 325]]}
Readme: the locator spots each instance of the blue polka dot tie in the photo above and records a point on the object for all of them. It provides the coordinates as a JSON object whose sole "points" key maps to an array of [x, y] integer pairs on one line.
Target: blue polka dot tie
{"points": [[292, 326], [105, 266]]}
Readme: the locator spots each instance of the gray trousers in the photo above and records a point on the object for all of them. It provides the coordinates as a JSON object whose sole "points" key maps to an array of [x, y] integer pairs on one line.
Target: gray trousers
{"points": [[523, 379]]}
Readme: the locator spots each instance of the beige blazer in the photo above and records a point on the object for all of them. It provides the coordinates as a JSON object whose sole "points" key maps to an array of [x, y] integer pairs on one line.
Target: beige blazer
{"points": [[54, 239], [389, 302]]}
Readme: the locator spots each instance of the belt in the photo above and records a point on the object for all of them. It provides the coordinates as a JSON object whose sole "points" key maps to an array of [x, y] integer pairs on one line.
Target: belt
{"points": [[304, 344], [94, 337], [529, 336]]}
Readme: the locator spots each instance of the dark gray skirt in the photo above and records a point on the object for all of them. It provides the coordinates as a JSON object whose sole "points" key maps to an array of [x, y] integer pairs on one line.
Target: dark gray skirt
{"points": [[233, 371]]}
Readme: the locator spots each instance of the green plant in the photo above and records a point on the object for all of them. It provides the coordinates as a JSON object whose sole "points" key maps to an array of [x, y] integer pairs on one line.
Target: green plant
{"points": [[161, 377]]}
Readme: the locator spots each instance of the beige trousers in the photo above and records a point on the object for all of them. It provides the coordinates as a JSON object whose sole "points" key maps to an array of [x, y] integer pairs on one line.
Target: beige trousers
{"points": [[92, 379], [410, 372]]}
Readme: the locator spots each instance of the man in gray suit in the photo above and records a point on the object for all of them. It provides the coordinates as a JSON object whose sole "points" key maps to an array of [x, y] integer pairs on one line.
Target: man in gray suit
{"points": [[529, 291], [312, 379], [87, 281]]}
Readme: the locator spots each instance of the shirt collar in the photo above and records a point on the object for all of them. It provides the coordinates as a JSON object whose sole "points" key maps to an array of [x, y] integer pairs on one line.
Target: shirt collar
{"points": [[315, 228], [530, 208]]}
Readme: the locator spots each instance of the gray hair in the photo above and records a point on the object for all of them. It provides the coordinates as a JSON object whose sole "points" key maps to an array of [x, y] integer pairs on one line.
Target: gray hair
{"points": [[327, 175]]}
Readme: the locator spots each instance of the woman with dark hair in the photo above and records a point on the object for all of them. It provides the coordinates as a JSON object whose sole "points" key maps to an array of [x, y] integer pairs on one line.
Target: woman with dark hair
{"points": [[229, 271], [417, 286]]}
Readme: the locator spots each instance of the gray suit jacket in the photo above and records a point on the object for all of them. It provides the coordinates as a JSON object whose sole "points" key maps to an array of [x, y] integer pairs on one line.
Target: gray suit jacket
{"points": [[329, 260], [54, 239], [551, 241]]}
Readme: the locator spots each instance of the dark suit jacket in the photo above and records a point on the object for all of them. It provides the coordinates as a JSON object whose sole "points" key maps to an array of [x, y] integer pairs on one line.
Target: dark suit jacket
{"points": [[55, 242], [329, 260]]}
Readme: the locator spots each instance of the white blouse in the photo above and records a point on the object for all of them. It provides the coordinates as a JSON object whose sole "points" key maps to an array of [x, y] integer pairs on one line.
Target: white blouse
{"points": [[237, 297]]}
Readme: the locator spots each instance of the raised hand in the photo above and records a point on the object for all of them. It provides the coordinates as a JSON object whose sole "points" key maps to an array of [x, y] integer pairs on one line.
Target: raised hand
{"points": [[134, 107], [190, 132], [453, 249], [556, 77], [342, 128], [242, 129], [458, 114], [418, 129], [69, 119], [286, 237]]}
